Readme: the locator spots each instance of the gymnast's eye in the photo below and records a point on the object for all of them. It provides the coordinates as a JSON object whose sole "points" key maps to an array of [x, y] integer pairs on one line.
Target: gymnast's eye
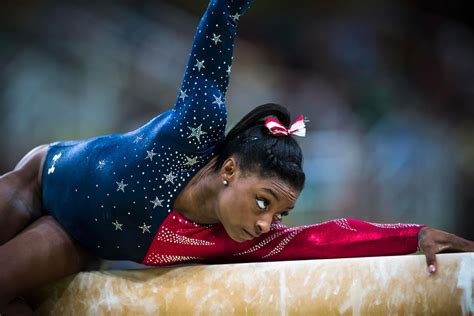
{"points": [[262, 203], [279, 217]]}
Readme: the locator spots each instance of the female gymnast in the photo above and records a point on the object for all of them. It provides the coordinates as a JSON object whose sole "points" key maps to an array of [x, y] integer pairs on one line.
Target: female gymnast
{"points": [[178, 190]]}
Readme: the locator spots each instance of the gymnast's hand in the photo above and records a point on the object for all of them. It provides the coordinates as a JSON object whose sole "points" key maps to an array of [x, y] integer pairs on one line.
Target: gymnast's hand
{"points": [[432, 241]]}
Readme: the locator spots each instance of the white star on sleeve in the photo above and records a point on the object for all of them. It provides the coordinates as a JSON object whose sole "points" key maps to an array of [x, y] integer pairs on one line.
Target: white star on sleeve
{"points": [[157, 202], [229, 69], [235, 17], [101, 164], [145, 228], [199, 64], [138, 139], [218, 100], [216, 38], [182, 94], [196, 132], [121, 186], [150, 154], [170, 177]]}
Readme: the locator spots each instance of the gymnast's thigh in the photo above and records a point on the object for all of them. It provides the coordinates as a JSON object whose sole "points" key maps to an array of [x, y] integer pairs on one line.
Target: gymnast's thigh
{"points": [[40, 254], [20, 194]]}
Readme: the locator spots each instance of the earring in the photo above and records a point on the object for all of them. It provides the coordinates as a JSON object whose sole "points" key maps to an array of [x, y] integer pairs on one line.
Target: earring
{"points": [[225, 182]]}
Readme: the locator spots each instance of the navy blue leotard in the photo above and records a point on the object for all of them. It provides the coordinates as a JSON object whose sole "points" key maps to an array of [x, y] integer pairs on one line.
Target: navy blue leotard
{"points": [[112, 193]]}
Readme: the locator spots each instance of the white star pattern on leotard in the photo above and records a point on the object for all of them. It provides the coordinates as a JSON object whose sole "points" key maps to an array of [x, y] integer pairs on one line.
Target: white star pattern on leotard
{"points": [[145, 228], [170, 177], [56, 157], [117, 225], [196, 132], [157, 202], [191, 161], [218, 100], [101, 164], [121, 186], [182, 94], [150, 154], [216, 38], [199, 64], [235, 17], [138, 139]]}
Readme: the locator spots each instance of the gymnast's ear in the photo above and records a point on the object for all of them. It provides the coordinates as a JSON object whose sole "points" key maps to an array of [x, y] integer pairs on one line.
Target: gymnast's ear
{"points": [[229, 168]]}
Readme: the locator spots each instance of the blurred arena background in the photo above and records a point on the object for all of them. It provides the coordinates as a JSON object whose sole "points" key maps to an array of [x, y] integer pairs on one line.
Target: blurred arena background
{"points": [[388, 87]]}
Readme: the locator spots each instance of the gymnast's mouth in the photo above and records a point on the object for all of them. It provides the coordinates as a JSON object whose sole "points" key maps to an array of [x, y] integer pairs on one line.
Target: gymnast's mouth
{"points": [[249, 234]]}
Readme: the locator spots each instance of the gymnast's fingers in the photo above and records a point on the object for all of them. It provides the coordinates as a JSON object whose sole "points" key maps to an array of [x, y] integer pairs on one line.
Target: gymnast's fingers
{"points": [[430, 255], [427, 243]]}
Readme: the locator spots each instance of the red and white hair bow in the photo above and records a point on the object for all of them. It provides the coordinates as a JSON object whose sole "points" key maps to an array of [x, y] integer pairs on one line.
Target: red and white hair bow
{"points": [[298, 128]]}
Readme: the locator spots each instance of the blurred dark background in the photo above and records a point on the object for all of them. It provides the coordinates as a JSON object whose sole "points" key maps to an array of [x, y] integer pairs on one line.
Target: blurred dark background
{"points": [[388, 87]]}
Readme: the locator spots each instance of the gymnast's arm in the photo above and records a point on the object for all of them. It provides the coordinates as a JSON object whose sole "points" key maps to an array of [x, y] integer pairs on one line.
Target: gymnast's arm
{"points": [[344, 238], [202, 92], [338, 238], [180, 240]]}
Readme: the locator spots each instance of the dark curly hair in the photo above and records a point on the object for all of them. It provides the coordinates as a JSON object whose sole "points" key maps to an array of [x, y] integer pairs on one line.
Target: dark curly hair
{"points": [[260, 152]]}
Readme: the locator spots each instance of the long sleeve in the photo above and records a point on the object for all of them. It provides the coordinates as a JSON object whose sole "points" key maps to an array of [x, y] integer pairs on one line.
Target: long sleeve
{"points": [[340, 238], [199, 115], [180, 241]]}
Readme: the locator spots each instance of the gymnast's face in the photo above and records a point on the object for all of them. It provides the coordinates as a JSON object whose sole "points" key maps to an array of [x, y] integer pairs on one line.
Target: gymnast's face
{"points": [[249, 203]]}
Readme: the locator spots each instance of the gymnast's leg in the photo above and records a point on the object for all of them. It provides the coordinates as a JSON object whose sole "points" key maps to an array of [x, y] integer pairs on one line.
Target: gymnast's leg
{"points": [[20, 194], [40, 254]]}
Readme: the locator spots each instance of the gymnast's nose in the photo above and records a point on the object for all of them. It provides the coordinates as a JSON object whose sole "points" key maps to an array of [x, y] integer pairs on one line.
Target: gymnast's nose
{"points": [[263, 226]]}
